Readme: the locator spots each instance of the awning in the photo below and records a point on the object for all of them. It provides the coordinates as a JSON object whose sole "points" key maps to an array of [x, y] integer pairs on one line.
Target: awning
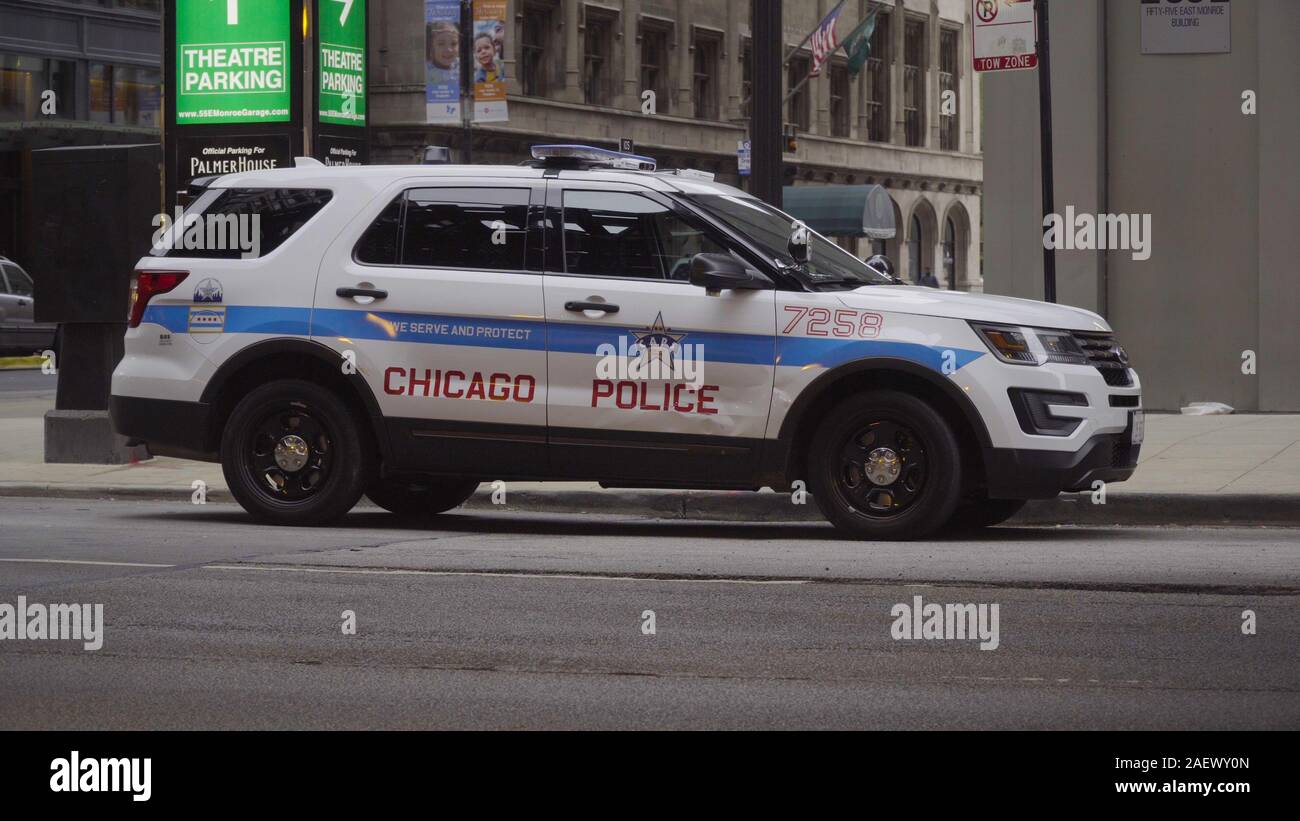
{"points": [[842, 210]]}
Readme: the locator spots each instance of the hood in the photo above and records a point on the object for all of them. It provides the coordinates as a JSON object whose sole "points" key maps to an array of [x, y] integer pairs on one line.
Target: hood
{"points": [[1005, 310]]}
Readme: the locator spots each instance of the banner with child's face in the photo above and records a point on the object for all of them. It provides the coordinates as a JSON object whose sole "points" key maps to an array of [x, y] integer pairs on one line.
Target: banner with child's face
{"points": [[487, 56], [442, 61]]}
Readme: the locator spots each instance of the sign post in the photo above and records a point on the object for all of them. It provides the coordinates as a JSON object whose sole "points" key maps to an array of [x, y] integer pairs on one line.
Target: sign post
{"points": [[1009, 35]]}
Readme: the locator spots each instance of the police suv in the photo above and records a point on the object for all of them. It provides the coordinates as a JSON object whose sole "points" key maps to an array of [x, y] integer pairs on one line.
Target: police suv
{"points": [[406, 332]]}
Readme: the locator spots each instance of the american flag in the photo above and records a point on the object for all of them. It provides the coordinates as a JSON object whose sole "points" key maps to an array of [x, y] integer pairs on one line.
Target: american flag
{"points": [[824, 41]]}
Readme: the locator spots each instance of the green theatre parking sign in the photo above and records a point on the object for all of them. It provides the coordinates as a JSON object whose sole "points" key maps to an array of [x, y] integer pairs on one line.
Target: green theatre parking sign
{"points": [[232, 61], [342, 61]]}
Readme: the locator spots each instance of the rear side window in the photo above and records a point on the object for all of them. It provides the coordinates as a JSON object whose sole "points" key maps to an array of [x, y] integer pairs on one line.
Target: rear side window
{"points": [[235, 223], [19, 283], [379, 244], [481, 228]]}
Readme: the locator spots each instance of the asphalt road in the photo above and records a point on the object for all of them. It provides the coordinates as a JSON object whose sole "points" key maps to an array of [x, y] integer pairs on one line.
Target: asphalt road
{"points": [[513, 621]]}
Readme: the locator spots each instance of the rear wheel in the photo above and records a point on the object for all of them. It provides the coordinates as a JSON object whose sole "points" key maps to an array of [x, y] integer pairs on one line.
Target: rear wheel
{"points": [[885, 465], [427, 496], [292, 454]]}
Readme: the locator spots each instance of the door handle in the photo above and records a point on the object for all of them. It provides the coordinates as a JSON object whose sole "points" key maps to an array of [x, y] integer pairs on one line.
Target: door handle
{"points": [[377, 293], [604, 307]]}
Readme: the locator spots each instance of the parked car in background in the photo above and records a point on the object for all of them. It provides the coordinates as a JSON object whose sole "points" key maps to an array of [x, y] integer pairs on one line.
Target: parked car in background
{"points": [[20, 334]]}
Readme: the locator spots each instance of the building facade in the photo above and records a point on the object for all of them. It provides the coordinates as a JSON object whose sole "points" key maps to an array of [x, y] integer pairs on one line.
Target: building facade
{"points": [[1203, 144], [72, 72], [579, 72]]}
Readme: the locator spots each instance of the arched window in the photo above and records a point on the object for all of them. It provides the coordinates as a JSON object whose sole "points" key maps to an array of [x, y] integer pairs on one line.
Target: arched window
{"points": [[914, 250]]}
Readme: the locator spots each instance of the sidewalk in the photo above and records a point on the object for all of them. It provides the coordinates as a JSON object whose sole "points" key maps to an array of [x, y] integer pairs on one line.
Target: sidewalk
{"points": [[1194, 470]]}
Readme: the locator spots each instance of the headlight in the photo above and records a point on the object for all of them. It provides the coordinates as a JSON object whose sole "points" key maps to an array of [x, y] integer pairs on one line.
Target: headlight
{"points": [[1031, 346]]}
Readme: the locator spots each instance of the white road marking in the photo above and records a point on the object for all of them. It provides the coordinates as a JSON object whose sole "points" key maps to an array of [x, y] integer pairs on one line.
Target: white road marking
{"points": [[83, 561], [574, 576]]}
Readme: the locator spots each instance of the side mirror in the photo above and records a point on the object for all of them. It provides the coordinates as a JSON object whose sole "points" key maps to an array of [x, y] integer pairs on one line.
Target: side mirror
{"points": [[798, 245], [723, 272]]}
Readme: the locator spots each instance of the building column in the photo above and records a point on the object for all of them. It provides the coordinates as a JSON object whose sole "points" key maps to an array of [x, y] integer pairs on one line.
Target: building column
{"points": [[931, 137], [820, 86], [631, 92], [572, 91], [514, 30], [684, 106], [897, 21], [966, 105], [732, 69]]}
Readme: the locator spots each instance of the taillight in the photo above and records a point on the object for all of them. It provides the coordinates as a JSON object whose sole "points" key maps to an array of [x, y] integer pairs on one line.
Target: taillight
{"points": [[145, 285]]}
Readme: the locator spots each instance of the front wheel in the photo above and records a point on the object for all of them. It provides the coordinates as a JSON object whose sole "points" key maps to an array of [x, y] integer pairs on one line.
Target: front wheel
{"points": [[410, 497], [292, 454], [885, 465]]}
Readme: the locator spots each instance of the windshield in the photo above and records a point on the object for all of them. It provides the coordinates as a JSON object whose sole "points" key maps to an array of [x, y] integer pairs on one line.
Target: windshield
{"points": [[770, 230]]}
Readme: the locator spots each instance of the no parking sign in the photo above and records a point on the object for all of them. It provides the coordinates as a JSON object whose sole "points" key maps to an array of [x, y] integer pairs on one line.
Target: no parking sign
{"points": [[1003, 35]]}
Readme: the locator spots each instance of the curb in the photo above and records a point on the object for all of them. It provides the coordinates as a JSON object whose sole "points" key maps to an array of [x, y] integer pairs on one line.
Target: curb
{"points": [[1132, 509]]}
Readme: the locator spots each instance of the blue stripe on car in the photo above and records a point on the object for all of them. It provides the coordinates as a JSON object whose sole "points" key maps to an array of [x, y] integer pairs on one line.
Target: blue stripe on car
{"points": [[536, 335]]}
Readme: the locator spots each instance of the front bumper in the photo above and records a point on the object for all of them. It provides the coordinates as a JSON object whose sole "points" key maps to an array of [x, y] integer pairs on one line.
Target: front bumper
{"points": [[1041, 474]]}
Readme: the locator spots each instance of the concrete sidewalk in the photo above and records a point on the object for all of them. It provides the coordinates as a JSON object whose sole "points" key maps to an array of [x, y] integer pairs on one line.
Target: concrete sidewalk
{"points": [[1194, 470]]}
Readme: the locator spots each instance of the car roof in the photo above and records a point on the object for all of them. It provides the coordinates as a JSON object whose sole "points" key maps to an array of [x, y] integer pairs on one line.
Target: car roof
{"points": [[309, 176]]}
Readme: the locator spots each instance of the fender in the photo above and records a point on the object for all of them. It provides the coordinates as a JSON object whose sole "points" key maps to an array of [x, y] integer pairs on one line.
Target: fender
{"points": [[328, 356], [824, 382]]}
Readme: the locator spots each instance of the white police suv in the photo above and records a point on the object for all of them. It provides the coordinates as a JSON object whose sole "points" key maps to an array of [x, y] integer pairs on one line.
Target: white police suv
{"points": [[406, 332]]}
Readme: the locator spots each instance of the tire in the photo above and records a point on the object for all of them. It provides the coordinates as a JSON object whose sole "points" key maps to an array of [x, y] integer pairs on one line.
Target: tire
{"points": [[865, 432], [418, 497], [321, 465], [976, 514]]}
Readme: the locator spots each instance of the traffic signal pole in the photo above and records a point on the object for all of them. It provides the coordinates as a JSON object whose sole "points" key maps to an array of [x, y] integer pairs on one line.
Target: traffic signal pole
{"points": [[766, 177]]}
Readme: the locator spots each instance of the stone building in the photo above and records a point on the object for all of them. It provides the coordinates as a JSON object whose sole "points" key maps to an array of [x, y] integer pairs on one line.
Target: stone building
{"points": [[577, 72]]}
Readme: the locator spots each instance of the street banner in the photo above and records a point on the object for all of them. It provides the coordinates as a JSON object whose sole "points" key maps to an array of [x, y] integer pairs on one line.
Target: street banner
{"points": [[487, 54], [232, 62], [341, 55], [824, 41], [1003, 35], [442, 61]]}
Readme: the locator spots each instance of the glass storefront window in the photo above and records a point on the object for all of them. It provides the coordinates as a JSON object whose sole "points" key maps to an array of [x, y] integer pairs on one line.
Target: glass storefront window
{"points": [[23, 82], [125, 95]]}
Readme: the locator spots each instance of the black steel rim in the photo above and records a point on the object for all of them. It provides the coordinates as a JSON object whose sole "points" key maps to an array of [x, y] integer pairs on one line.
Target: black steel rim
{"points": [[290, 425], [884, 499]]}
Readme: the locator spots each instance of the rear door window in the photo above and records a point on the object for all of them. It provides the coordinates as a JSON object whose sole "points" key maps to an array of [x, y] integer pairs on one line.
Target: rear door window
{"points": [[475, 228]]}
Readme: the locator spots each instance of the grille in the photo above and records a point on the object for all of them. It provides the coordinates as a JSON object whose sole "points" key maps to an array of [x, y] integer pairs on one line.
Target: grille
{"points": [[1107, 357]]}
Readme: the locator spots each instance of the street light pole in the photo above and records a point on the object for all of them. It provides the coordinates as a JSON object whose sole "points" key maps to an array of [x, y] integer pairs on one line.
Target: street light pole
{"points": [[1045, 136], [765, 132]]}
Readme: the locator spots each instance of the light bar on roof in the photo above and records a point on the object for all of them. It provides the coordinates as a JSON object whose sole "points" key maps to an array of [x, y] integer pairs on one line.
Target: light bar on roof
{"points": [[595, 156]]}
